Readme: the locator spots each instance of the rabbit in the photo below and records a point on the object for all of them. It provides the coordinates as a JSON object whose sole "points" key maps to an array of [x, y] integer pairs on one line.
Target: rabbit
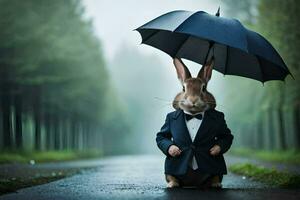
{"points": [[194, 98], [194, 87]]}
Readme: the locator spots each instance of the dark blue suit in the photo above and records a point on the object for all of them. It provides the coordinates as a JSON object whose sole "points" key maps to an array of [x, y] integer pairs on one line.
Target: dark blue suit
{"points": [[213, 130]]}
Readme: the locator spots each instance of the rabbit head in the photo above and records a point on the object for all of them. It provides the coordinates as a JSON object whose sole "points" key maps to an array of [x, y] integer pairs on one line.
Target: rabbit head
{"points": [[194, 97]]}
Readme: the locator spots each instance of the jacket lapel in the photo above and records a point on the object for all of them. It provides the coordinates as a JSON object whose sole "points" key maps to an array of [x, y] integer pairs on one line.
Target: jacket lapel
{"points": [[181, 125]]}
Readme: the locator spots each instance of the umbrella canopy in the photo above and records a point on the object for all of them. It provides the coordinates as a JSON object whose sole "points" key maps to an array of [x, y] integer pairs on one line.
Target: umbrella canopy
{"points": [[199, 36]]}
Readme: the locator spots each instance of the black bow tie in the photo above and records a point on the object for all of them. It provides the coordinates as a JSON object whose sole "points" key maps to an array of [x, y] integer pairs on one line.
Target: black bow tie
{"points": [[188, 117]]}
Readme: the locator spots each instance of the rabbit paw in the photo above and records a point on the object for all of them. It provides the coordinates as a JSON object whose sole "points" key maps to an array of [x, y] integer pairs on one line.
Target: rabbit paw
{"points": [[216, 185], [215, 182], [172, 184]]}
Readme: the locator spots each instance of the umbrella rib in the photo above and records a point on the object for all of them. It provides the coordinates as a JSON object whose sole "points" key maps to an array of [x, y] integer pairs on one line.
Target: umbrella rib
{"points": [[226, 63], [184, 22], [261, 70], [179, 48]]}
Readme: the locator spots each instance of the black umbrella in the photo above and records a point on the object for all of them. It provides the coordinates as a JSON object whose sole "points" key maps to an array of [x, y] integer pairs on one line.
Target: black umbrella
{"points": [[199, 36]]}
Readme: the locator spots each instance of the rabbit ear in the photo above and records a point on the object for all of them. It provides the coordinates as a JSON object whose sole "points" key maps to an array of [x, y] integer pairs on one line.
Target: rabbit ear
{"points": [[183, 72], [206, 71]]}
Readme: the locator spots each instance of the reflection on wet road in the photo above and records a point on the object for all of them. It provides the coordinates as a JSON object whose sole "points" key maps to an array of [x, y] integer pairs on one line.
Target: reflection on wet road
{"points": [[141, 177]]}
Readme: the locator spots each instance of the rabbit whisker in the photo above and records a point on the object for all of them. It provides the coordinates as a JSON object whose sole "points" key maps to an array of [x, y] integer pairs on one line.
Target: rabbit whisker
{"points": [[161, 99], [209, 102], [163, 106]]}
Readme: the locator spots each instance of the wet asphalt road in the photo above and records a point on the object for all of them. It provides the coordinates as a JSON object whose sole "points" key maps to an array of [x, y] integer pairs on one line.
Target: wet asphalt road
{"points": [[141, 177]]}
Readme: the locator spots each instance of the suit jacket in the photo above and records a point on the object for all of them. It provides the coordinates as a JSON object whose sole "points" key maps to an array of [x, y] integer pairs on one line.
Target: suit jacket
{"points": [[213, 130]]}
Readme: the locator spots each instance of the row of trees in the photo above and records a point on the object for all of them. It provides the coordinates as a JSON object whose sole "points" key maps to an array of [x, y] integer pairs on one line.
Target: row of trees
{"points": [[268, 117], [55, 89]]}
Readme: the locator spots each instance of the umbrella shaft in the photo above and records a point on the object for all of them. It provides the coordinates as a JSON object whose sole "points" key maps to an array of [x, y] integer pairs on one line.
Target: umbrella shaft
{"points": [[211, 44]]}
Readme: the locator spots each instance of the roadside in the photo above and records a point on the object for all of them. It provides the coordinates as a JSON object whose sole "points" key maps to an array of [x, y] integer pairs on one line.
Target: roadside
{"points": [[271, 171], [33, 157], [36, 168], [280, 160], [292, 168], [288, 157]]}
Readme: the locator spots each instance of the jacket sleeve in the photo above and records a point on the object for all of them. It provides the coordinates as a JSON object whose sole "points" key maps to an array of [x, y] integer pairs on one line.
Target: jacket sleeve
{"points": [[224, 136], [163, 137]]}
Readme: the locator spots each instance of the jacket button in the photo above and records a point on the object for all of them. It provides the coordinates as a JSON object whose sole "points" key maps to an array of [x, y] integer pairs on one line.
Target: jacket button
{"points": [[216, 138], [192, 147]]}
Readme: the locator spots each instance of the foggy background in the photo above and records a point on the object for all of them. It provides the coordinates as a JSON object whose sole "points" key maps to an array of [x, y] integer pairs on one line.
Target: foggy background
{"points": [[144, 77], [74, 76]]}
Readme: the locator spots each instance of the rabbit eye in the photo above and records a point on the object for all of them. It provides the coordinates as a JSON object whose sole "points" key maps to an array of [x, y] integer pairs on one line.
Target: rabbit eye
{"points": [[203, 88]]}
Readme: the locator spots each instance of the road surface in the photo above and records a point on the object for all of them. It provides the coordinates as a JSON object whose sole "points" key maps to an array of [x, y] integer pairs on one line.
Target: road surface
{"points": [[141, 177]]}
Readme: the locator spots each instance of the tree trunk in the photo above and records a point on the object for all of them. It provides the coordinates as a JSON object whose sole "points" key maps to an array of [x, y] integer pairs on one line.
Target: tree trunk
{"points": [[36, 104], [37, 122], [6, 120], [282, 142], [73, 142], [297, 127], [259, 138], [65, 133], [270, 130], [18, 121], [56, 133], [48, 130]]}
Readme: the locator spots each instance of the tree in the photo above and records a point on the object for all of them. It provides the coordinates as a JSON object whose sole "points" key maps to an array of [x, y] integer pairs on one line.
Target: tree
{"points": [[54, 73]]}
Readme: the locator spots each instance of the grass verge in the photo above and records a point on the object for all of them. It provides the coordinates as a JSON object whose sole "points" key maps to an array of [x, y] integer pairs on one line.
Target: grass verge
{"points": [[288, 157], [269, 176], [12, 185], [9, 185], [46, 156]]}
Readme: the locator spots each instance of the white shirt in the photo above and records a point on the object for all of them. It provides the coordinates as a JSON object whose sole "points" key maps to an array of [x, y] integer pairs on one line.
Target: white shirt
{"points": [[193, 125]]}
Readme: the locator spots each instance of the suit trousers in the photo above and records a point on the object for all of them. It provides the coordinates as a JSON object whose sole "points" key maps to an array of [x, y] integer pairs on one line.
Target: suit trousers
{"points": [[194, 178]]}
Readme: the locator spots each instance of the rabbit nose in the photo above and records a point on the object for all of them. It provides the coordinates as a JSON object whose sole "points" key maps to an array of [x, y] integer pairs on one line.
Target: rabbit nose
{"points": [[193, 100]]}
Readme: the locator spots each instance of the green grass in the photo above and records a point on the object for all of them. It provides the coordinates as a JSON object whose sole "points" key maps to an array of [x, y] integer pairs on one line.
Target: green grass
{"points": [[9, 185], [12, 157], [269, 176], [12, 184], [288, 157], [46, 156]]}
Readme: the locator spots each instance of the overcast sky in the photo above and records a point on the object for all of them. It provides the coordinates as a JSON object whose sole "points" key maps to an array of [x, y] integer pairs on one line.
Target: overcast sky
{"points": [[115, 20]]}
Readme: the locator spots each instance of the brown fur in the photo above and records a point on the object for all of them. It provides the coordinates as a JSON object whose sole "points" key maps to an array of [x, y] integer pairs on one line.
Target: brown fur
{"points": [[193, 88]]}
